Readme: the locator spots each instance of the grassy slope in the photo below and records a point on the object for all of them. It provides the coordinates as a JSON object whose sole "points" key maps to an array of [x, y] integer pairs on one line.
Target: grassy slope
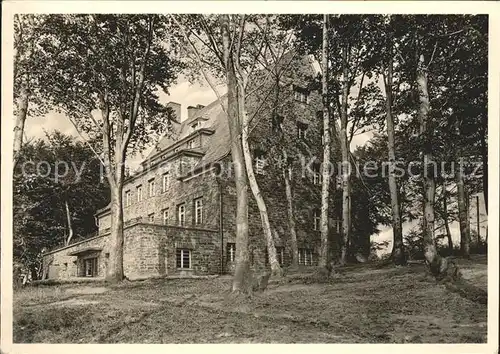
{"points": [[363, 304]]}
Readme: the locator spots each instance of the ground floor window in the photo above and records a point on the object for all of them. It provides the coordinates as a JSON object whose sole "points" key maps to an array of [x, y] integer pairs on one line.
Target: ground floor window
{"points": [[183, 257], [90, 267], [305, 256], [280, 255], [231, 252]]}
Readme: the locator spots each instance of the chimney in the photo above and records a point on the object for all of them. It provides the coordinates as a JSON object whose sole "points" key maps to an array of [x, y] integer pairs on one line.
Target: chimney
{"points": [[193, 110], [177, 110]]}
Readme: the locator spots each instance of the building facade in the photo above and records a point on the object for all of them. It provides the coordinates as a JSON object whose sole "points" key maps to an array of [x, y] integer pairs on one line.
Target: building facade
{"points": [[179, 209]]}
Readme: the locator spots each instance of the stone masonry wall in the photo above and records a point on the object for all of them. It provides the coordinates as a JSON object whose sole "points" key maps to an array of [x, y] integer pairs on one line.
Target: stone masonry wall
{"points": [[204, 186], [149, 250]]}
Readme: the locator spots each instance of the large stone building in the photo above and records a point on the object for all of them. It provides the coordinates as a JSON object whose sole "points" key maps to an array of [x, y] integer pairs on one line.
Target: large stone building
{"points": [[179, 210]]}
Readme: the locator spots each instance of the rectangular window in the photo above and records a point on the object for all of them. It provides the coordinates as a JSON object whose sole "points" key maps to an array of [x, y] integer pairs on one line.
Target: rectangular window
{"points": [[165, 216], [231, 252], [338, 182], [90, 267], [166, 181], [260, 162], [183, 258], [151, 218], [338, 225], [198, 211], [301, 95], [181, 214], [317, 177], [280, 255], [277, 123], [139, 193], [190, 144], [305, 256], [301, 130], [128, 198], [151, 188], [316, 219]]}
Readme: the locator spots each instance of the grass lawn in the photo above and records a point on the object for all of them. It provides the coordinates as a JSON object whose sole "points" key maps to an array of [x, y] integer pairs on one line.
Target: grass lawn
{"points": [[361, 304]]}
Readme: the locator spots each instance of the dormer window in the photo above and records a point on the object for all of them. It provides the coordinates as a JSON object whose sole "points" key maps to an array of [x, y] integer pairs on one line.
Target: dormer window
{"points": [[301, 94]]}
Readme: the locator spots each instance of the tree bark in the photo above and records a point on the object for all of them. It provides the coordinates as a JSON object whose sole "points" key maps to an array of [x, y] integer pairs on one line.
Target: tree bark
{"points": [[346, 167], [22, 111], [115, 271], [445, 219], [429, 185], [242, 279], [325, 186], [287, 177], [462, 214], [261, 204], [70, 224], [398, 254]]}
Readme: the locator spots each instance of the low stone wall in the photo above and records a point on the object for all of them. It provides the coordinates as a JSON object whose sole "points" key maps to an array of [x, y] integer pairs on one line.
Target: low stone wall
{"points": [[149, 251]]}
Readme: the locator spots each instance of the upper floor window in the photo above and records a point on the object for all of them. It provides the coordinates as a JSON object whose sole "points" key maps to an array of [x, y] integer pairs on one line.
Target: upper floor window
{"points": [[231, 252], [301, 130], [128, 198], [316, 219], [301, 94], [277, 123], [195, 125], [338, 182], [190, 144], [151, 218], [139, 193], [165, 216], [166, 181], [260, 162], [317, 177], [181, 214], [337, 225], [151, 188], [198, 211]]}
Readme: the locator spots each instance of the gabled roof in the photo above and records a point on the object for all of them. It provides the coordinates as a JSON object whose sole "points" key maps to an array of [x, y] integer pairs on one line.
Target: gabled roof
{"points": [[215, 120]]}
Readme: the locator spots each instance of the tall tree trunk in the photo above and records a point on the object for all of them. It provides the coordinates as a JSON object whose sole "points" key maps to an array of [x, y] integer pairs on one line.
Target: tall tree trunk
{"points": [[445, 219], [397, 228], [484, 155], [346, 167], [70, 223], [115, 265], [22, 111], [462, 214], [429, 184], [325, 186], [287, 177], [252, 181], [242, 280]]}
